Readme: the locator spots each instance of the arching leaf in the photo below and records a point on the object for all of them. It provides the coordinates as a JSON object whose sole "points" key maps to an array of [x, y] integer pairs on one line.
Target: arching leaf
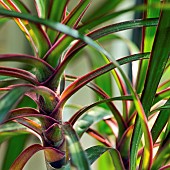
{"points": [[95, 152], [91, 117], [43, 69]]}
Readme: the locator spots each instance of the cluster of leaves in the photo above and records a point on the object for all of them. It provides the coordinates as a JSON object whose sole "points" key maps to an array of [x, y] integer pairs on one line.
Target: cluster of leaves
{"points": [[52, 33]]}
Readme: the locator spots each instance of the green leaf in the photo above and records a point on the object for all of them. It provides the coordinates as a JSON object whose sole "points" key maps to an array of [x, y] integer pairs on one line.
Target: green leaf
{"points": [[162, 155], [58, 6], [107, 100], [147, 44], [150, 32], [11, 129], [95, 152], [105, 79], [166, 167], [57, 26], [91, 117], [3, 21], [43, 7], [7, 80], [66, 167], [79, 83], [49, 101], [160, 122], [164, 107], [148, 149], [155, 71], [12, 151], [78, 156], [132, 47], [10, 100], [156, 67], [116, 158]]}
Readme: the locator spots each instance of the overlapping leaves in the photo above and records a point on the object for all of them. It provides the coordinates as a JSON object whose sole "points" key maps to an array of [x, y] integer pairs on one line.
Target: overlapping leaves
{"points": [[48, 79]]}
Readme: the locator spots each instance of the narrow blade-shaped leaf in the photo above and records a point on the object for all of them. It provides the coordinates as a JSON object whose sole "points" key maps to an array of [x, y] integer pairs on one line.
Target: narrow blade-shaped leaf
{"points": [[12, 151], [95, 22], [124, 144], [104, 81], [113, 28], [42, 7], [60, 27], [89, 41], [148, 39], [160, 122], [78, 156], [76, 14], [60, 7], [162, 156]]}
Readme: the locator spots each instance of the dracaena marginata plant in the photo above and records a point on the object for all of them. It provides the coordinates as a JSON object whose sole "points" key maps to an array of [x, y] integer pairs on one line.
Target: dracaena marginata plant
{"points": [[35, 93]]}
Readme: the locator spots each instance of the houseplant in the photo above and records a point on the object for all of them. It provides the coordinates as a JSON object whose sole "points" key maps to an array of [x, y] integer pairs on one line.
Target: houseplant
{"points": [[41, 78]]}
